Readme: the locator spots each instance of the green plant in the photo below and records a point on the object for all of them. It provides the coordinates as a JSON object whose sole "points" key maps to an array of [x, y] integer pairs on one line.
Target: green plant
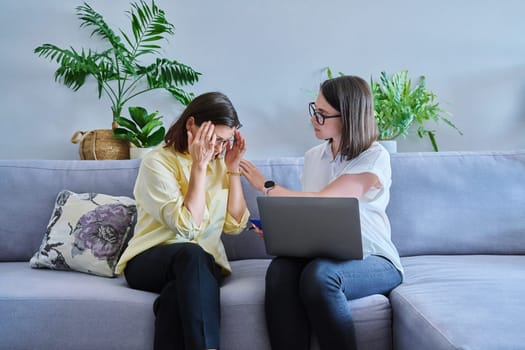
{"points": [[118, 70], [398, 105], [143, 130]]}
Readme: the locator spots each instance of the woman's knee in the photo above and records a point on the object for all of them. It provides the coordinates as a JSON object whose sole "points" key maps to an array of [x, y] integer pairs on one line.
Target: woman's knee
{"points": [[319, 279], [282, 272], [189, 254]]}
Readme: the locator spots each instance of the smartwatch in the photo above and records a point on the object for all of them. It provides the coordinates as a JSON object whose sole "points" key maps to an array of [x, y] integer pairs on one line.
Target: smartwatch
{"points": [[268, 186]]}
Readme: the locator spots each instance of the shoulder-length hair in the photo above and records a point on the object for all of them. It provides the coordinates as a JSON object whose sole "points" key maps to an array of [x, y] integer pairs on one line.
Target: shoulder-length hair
{"points": [[212, 106], [352, 98]]}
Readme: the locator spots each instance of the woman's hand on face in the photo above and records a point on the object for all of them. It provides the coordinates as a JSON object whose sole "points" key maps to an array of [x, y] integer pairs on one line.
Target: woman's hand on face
{"points": [[252, 174], [201, 146], [235, 151]]}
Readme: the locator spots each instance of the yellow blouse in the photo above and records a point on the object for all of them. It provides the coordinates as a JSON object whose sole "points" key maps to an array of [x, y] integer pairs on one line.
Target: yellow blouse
{"points": [[162, 218]]}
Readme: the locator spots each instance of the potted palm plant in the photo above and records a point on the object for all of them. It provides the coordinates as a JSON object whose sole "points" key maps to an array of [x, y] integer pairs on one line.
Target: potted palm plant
{"points": [[118, 70], [398, 105]]}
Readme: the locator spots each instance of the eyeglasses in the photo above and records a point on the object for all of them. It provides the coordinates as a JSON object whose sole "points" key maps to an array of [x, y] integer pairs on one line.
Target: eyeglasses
{"points": [[222, 143], [319, 117]]}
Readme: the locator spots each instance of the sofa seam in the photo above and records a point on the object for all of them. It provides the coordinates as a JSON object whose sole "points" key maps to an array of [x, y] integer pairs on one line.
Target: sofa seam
{"points": [[67, 169], [458, 154], [15, 299], [426, 320]]}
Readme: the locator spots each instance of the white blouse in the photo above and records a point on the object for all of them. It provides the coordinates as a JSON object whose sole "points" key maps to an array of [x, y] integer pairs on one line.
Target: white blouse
{"points": [[320, 169]]}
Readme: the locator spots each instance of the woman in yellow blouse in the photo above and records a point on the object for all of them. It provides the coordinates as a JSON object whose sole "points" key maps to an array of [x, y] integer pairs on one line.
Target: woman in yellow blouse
{"points": [[187, 193]]}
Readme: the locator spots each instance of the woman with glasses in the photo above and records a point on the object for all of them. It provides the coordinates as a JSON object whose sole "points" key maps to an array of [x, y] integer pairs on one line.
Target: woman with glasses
{"points": [[187, 193], [305, 296]]}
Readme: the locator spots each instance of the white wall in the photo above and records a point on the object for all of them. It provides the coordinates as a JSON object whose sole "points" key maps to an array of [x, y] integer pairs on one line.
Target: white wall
{"points": [[266, 55]]}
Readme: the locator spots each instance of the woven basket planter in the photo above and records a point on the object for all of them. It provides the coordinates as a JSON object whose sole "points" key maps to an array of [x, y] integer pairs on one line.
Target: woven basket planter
{"points": [[100, 145]]}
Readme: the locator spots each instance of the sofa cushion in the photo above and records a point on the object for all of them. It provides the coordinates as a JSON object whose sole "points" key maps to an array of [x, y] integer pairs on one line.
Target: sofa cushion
{"points": [[243, 317], [45, 304], [460, 302], [458, 202], [44, 309], [87, 232]]}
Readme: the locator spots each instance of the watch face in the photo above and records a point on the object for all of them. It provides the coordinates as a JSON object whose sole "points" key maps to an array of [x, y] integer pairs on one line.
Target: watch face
{"points": [[269, 184]]}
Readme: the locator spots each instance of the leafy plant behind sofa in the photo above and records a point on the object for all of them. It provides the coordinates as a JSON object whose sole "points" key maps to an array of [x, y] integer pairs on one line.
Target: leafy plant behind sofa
{"points": [[118, 70], [143, 129], [398, 105]]}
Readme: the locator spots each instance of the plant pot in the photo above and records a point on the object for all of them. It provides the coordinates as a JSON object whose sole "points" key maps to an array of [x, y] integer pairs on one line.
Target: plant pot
{"points": [[100, 145], [390, 145], [136, 152]]}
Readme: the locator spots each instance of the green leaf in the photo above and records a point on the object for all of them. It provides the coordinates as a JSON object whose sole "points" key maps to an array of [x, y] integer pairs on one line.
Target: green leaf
{"points": [[73, 67], [91, 18], [156, 138], [397, 105], [117, 69], [152, 124], [126, 135], [181, 95], [128, 124], [329, 73], [432, 137], [139, 116], [145, 129], [148, 24], [168, 73]]}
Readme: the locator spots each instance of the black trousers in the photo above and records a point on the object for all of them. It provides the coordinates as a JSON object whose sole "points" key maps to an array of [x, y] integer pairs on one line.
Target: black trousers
{"points": [[187, 312]]}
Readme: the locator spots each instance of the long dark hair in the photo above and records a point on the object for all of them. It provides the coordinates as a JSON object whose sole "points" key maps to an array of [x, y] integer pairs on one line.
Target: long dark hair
{"points": [[211, 106], [351, 96]]}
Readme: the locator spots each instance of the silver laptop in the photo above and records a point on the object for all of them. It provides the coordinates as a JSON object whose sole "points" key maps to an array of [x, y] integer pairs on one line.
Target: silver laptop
{"points": [[311, 227]]}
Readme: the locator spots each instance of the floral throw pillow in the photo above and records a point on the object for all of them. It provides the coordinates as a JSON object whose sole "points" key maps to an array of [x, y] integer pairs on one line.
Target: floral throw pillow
{"points": [[87, 232]]}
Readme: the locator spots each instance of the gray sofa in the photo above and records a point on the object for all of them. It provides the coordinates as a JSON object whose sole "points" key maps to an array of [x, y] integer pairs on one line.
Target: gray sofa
{"points": [[458, 220]]}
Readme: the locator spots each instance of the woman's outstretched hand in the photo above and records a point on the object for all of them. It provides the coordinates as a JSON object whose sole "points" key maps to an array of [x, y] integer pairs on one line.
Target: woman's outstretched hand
{"points": [[257, 230], [201, 146], [253, 175], [235, 151]]}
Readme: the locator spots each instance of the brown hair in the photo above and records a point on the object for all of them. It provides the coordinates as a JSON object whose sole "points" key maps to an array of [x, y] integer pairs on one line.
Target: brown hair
{"points": [[212, 106], [351, 96]]}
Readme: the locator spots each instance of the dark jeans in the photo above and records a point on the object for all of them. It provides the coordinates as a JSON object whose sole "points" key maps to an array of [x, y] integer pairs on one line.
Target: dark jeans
{"points": [[188, 309], [304, 295]]}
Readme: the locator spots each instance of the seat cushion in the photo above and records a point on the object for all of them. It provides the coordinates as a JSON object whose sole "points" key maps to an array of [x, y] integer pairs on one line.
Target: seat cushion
{"points": [[243, 318], [48, 309], [460, 302], [45, 309]]}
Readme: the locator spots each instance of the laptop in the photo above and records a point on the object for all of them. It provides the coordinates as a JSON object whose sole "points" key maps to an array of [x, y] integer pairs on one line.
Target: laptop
{"points": [[310, 227]]}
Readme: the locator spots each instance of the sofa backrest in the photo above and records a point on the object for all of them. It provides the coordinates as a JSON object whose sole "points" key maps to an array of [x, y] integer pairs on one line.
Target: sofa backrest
{"points": [[441, 203], [28, 189], [286, 172], [458, 202]]}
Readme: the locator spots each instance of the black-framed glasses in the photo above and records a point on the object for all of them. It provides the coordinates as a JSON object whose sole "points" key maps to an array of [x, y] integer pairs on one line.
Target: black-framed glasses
{"points": [[319, 117]]}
